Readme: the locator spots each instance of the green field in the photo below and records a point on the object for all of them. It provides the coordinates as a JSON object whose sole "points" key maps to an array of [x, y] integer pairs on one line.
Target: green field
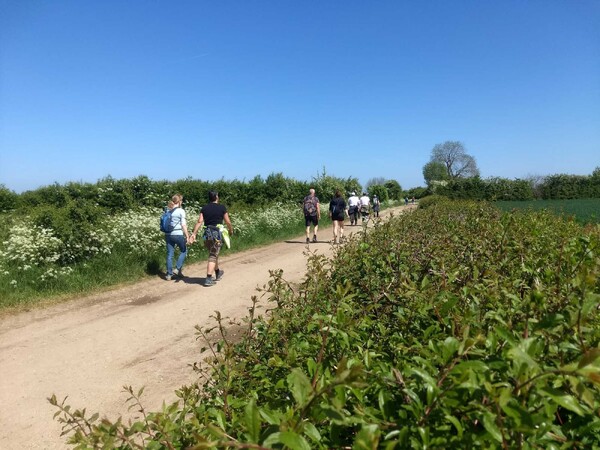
{"points": [[583, 210]]}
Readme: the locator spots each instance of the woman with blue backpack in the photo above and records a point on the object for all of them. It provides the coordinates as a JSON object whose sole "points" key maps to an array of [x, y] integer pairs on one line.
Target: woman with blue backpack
{"points": [[173, 224]]}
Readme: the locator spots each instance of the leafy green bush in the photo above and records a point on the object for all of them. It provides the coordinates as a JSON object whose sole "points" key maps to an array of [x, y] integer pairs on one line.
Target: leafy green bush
{"points": [[74, 225], [562, 186], [380, 191], [417, 192], [431, 200], [455, 326], [8, 199]]}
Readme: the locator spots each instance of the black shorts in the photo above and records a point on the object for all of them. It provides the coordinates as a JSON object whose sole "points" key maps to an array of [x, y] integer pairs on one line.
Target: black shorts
{"points": [[338, 217], [311, 219]]}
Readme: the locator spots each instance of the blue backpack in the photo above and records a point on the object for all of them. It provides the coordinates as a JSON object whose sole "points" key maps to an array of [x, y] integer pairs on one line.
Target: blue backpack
{"points": [[165, 221]]}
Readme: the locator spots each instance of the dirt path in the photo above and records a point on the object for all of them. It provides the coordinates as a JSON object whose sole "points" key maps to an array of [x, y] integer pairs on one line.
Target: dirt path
{"points": [[139, 335]]}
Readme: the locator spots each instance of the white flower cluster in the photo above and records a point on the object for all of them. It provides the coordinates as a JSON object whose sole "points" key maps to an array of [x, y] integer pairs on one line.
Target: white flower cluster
{"points": [[30, 245], [136, 230], [53, 273], [271, 218]]}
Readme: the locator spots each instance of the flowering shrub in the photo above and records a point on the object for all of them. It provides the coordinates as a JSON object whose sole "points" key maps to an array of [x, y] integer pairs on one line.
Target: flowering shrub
{"points": [[68, 239], [29, 244], [136, 230], [269, 219]]}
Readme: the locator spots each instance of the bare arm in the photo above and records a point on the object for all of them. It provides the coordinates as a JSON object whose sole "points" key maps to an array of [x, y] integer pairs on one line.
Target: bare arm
{"points": [[197, 227]]}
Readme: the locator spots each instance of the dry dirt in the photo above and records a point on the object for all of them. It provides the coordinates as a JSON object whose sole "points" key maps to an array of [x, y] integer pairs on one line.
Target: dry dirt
{"points": [[138, 335]]}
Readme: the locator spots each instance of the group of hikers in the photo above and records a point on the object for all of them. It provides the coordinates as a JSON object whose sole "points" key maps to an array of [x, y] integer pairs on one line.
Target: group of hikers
{"points": [[215, 224], [339, 209]]}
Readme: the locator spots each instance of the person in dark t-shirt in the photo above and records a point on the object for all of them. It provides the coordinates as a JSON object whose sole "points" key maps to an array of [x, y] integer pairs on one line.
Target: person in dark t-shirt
{"points": [[212, 215], [337, 212]]}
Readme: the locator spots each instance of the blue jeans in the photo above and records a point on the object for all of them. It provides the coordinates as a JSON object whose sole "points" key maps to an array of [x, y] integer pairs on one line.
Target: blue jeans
{"points": [[173, 241]]}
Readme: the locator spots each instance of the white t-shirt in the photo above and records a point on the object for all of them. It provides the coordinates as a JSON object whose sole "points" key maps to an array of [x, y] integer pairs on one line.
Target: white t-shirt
{"points": [[364, 200], [178, 221], [353, 201]]}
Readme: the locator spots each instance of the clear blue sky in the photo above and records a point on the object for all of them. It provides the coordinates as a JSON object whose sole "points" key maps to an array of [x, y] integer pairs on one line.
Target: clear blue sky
{"points": [[234, 89]]}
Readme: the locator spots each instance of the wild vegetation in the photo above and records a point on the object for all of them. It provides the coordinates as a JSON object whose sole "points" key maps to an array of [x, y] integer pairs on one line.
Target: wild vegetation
{"points": [[81, 237], [456, 326], [57, 257]]}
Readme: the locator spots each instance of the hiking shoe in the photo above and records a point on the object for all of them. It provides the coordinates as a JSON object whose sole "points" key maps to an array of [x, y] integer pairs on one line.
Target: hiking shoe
{"points": [[307, 240], [219, 274], [315, 238], [178, 273], [168, 277], [209, 282]]}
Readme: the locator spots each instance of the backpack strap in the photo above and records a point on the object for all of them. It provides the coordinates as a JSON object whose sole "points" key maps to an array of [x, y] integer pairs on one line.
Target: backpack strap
{"points": [[172, 211]]}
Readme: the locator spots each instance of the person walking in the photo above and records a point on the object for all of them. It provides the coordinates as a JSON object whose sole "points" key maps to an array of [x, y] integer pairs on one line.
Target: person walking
{"points": [[212, 215], [176, 238], [365, 206], [353, 205], [376, 205], [337, 213], [312, 213]]}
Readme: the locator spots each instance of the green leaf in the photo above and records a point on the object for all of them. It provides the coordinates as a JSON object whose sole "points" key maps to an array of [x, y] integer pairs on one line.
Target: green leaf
{"points": [[272, 439], [426, 377], [566, 401], [381, 400], [590, 303], [523, 358], [451, 345], [299, 386], [367, 438], [311, 431], [333, 414], [271, 417], [489, 423], [457, 425], [293, 440], [252, 421]]}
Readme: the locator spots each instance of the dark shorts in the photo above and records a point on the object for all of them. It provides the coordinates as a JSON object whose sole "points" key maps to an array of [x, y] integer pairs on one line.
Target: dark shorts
{"points": [[311, 219], [338, 217]]}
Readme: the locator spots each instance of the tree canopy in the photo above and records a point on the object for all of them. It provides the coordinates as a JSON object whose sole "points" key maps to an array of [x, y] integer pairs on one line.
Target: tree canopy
{"points": [[458, 163], [434, 171], [394, 189]]}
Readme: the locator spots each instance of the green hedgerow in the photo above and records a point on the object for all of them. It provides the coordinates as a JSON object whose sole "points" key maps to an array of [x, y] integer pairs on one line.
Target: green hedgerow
{"points": [[456, 326]]}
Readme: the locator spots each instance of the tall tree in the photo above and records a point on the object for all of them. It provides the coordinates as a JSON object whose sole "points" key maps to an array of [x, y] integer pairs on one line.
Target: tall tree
{"points": [[458, 163], [376, 181], [394, 189]]}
